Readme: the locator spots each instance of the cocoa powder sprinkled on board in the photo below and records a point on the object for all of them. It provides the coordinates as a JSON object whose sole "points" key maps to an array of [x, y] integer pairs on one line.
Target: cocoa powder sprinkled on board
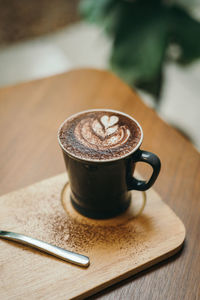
{"points": [[44, 217], [84, 236]]}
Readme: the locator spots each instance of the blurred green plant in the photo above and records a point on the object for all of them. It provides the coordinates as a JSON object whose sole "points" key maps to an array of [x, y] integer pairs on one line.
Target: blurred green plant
{"points": [[145, 34]]}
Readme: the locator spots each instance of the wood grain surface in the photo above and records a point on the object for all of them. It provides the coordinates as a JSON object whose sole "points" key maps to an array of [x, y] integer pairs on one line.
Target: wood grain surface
{"points": [[117, 247], [30, 114]]}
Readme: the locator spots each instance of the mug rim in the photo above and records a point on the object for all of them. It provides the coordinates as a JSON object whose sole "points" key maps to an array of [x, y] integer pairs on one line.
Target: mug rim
{"points": [[102, 160]]}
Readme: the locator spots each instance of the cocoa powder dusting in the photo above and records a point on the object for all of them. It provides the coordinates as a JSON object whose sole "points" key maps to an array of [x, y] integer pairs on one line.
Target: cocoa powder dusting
{"points": [[42, 216], [85, 236]]}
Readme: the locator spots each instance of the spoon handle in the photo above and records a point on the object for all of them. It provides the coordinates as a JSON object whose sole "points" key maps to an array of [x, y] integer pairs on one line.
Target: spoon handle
{"points": [[61, 253]]}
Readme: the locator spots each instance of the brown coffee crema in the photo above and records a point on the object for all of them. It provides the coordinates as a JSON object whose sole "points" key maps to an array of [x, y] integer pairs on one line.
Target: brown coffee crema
{"points": [[100, 135]]}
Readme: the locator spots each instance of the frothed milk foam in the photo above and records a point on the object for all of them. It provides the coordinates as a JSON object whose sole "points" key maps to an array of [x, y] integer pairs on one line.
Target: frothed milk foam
{"points": [[100, 135]]}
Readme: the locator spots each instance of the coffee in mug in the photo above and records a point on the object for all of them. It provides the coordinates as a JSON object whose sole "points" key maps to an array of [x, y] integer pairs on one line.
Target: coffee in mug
{"points": [[100, 149]]}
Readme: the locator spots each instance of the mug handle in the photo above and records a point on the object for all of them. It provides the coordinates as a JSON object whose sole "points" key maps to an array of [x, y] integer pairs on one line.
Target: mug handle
{"points": [[153, 161]]}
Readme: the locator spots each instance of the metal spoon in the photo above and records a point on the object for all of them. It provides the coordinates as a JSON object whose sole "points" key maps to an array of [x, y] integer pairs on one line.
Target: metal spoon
{"points": [[61, 253]]}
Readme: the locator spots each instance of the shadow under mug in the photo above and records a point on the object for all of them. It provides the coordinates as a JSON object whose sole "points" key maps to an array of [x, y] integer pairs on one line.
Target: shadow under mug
{"points": [[101, 189]]}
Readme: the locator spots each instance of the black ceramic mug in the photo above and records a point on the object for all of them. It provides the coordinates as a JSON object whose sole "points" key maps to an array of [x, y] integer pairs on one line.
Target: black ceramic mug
{"points": [[101, 148]]}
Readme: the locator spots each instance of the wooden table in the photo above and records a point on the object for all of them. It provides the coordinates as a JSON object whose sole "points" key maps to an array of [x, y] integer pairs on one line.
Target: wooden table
{"points": [[30, 115]]}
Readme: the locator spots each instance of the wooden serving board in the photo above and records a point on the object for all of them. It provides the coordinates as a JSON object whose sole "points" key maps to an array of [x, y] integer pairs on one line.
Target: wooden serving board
{"points": [[118, 247]]}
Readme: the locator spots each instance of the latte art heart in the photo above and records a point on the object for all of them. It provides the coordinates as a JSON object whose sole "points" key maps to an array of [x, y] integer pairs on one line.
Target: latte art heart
{"points": [[103, 131], [101, 134], [109, 121]]}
